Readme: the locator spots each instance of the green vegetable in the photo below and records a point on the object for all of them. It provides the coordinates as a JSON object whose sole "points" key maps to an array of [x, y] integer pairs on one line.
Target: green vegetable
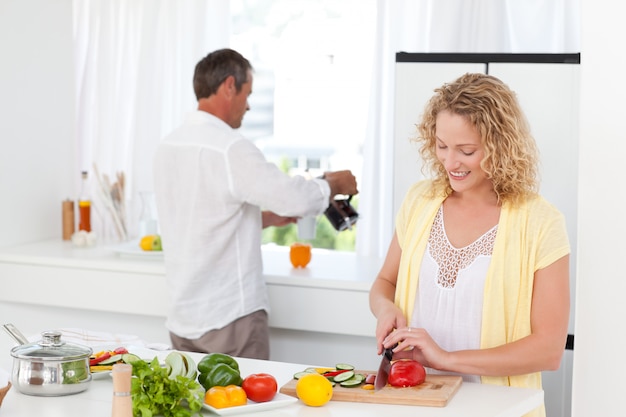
{"points": [[113, 359], [154, 393], [218, 369], [130, 358], [74, 372], [212, 359], [344, 376]]}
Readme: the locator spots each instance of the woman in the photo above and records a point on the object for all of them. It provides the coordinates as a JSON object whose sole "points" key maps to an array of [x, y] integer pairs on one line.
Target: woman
{"points": [[476, 278]]}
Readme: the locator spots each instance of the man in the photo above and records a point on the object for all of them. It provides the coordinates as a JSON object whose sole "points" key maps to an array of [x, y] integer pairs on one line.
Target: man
{"points": [[211, 185]]}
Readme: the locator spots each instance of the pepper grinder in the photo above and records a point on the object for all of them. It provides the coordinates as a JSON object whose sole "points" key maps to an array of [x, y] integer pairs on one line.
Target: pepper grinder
{"points": [[122, 400]]}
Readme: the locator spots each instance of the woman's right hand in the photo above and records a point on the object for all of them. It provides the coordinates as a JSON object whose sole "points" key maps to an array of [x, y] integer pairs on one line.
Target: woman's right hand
{"points": [[382, 294], [389, 319]]}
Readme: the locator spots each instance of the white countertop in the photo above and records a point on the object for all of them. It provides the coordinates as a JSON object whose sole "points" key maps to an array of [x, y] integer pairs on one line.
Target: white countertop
{"points": [[472, 400]]}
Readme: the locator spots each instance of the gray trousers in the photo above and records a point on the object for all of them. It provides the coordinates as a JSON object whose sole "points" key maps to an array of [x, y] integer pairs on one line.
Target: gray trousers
{"points": [[246, 337]]}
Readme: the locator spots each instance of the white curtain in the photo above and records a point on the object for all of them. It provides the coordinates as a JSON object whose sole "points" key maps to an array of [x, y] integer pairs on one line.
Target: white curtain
{"points": [[134, 62], [487, 26]]}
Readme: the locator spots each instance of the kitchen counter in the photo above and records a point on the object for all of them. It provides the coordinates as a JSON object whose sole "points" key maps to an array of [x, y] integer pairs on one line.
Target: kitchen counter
{"points": [[472, 400], [57, 267], [119, 289], [328, 269]]}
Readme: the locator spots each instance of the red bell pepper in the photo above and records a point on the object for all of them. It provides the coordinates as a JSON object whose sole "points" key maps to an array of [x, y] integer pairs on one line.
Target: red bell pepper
{"points": [[335, 373], [98, 359]]}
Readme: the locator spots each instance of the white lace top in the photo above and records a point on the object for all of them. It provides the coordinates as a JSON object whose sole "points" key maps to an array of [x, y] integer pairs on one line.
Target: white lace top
{"points": [[449, 299]]}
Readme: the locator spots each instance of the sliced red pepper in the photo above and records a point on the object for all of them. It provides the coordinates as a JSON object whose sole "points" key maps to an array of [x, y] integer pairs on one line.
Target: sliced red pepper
{"points": [[120, 351], [95, 361], [335, 373]]}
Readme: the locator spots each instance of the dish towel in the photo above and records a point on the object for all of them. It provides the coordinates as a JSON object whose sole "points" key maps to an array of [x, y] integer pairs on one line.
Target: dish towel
{"points": [[93, 339]]}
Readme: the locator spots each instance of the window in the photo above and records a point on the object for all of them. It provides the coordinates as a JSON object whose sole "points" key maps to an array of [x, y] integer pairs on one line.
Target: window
{"points": [[308, 110]]}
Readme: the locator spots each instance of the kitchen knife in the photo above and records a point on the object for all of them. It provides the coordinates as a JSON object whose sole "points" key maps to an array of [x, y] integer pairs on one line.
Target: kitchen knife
{"points": [[383, 370]]}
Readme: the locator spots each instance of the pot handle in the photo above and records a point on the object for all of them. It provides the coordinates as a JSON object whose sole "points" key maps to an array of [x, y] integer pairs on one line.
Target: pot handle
{"points": [[15, 334]]}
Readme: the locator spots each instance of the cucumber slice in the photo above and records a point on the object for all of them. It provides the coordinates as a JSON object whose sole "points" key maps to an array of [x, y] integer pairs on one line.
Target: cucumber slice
{"points": [[111, 360], [351, 383], [344, 366], [344, 376], [299, 375], [130, 358], [360, 376]]}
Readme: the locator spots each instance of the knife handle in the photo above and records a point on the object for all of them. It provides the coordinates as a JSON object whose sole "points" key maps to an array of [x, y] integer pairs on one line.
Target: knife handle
{"points": [[389, 351]]}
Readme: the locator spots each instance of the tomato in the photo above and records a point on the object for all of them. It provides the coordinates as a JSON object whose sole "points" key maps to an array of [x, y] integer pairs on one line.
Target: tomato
{"points": [[406, 373], [260, 387]]}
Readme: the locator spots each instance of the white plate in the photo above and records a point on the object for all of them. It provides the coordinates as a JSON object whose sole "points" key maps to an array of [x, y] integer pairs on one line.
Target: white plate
{"points": [[100, 375], [144, 353], [132, 249], [280, 400]]}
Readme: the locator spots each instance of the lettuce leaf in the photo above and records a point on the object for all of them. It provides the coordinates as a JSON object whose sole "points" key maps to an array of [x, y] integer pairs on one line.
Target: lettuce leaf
{"points": [[154, 393]]}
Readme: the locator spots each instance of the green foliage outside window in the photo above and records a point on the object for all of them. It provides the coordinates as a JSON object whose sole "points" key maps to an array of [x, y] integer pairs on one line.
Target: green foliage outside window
{"points": [[326, 236]]}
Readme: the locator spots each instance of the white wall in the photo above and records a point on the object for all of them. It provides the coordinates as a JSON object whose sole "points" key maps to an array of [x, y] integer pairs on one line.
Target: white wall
{"points": [[36, 118], [598, 381]]}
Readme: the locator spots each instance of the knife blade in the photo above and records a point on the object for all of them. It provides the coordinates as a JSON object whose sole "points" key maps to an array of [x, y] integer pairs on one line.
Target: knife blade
{"points": [[383, 370]]}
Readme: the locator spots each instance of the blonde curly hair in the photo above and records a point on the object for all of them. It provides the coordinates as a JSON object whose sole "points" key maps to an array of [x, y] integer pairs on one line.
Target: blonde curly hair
{"points": [[511, 155]]}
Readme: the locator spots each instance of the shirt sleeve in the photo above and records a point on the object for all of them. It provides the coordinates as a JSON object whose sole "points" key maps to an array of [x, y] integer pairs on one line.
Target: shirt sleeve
{"points": [[254, 180], [553, 238]]}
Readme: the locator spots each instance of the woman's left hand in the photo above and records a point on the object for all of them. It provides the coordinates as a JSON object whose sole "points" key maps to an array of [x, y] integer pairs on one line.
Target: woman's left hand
{"points": [[416, 343]]}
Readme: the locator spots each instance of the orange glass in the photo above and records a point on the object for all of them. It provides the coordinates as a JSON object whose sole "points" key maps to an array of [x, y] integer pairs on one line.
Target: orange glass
{"points": [[300, 255]]}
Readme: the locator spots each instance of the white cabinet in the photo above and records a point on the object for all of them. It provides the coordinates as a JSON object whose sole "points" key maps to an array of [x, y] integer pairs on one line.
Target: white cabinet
{"points": [[547, 86], [318, 315]]}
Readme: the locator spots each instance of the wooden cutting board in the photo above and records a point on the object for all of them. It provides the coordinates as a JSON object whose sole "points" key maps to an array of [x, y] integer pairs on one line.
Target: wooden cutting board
{"points": [[436, 391]]}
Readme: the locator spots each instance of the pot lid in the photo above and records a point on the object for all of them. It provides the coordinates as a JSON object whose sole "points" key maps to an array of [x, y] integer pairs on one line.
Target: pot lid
{"points": [[50, 347]]}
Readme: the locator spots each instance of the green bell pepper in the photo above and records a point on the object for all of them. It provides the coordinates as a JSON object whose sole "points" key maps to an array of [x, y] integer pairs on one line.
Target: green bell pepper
{"points": [[218, 369]]}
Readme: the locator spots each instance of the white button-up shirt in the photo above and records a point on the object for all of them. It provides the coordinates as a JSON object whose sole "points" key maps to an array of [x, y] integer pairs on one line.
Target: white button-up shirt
{"points": [[210, 186]]}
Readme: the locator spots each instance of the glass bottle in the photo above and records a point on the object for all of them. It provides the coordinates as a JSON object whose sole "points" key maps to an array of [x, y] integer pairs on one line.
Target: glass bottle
{"points": [[84, 205], [148, 217]]}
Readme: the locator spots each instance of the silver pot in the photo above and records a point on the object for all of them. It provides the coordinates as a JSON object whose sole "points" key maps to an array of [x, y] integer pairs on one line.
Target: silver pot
{"points": [[51, 367]]}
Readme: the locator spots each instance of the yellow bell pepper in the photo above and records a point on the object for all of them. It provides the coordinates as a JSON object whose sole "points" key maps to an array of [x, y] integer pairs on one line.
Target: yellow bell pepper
{"points": [[228, 396]]}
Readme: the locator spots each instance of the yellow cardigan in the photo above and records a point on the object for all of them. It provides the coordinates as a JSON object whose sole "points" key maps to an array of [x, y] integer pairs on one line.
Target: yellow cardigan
{"points": [[530, 237]]}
